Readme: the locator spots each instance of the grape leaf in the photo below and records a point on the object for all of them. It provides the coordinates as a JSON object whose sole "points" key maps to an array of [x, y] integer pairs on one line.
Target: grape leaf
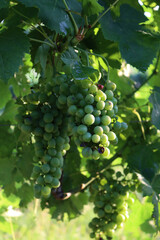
{"points": [[69, 56], [91, 7], [25, 162], [26, 194], [148, 190], [144, 159], [72, 206], [41, 56], [7, 140], [80, 72], [53, 13], [155, 100], [4, 93], [4, 4], [134, 40], [9, 111], [13, 44]]}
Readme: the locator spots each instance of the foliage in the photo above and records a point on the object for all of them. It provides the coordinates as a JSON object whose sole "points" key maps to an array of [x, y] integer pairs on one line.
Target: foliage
{"points": [[53, 55]]}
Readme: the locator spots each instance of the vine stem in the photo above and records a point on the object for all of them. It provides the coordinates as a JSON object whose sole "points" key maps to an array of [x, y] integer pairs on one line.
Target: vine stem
{"points": [[39, 41], [98, 55], [71, 17], [107, 10]]}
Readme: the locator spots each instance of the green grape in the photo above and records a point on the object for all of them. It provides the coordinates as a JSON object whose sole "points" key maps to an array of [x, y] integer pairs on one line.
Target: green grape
{"points": [[120, 218], [46, 158], [25, 128], [62, 99], [98, 130], [55, 162], [108, 105], [109, 94], [117, 126], [48, 178], [87, 137], [80, 113], [87, 152], [124, 126], [55, 183], [111, 136], [38, 132], [93, 89], [95, 154], [95, 138], [106, 120], [52, 143], [111, 86], [88, 109], [96, 113], [45, 168], [52, 152], [72, 109], [45, 191], [89, 119], [47, 136], [89, 99], [108, 208], [40, 180], [105, 129], [100, 105], [57, 173], [103, 138], [49, 127], [111, 113], [48, 117], [81, 129], [97, 121], [37, 188]]}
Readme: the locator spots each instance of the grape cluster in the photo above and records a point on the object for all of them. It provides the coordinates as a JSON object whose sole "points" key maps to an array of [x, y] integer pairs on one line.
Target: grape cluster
{"points": [[40, 115], [111, 200], [93, 110], [64, 109]]}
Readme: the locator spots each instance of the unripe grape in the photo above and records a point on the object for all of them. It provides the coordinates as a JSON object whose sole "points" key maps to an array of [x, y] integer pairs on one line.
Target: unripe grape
{"points": [[124, 126], [109, 94], [111, 86], [100, 105], [111, 136], [108, 105], [72, 109], [89, 119], [95, 154], [89, 99], [93, 89], [98, 130], [45, 191], [106, 120], [81, 129], [87, 152], [45, 168], [87, 137], [88, 109], [95, 138]]}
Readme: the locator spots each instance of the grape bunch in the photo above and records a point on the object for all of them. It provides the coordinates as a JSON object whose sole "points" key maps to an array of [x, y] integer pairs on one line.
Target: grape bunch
{"points": [[93, 116], [39, 116], [63, 109], [111, 200]]}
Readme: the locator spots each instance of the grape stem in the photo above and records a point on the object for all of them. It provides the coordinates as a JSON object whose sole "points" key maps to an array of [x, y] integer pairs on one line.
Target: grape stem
{"points": [[39, 41], [71, 17], [107, 10]]}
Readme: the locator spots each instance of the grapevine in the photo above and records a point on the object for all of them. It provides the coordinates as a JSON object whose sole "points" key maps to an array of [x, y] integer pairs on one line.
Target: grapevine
{"points": [[80, 108]]}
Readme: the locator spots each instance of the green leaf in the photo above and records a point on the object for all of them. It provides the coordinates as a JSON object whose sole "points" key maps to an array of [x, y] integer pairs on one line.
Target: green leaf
{"points": [[70, 56], [145, 159], [148, 190], [53, 13], [13, 45], [41, 56], [26, 194], [9, 111], [4, 93], [107, 48], [134, 40], [4, 4], [25, 162], [91, 7], [72, 206], [155, 100], [80, 72]]}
